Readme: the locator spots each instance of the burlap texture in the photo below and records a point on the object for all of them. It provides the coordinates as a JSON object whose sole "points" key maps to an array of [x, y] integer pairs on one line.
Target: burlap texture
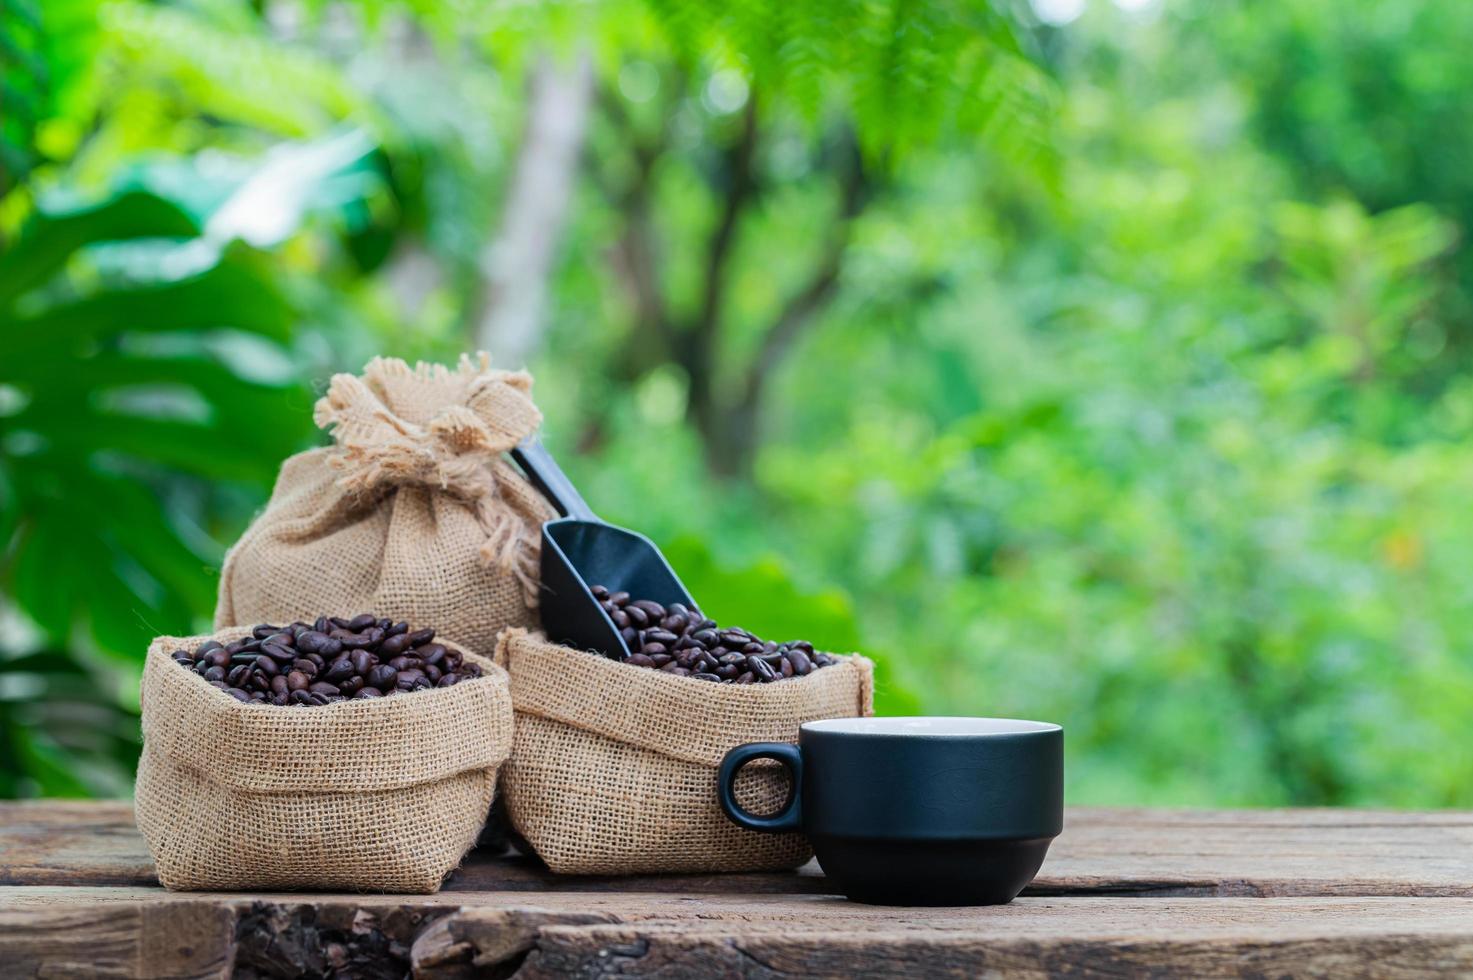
{"points": [[613, 768], [413, 513], [383, 795]]}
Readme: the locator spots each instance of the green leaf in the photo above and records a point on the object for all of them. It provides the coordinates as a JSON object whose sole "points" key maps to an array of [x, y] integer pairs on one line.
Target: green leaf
{"points": [[228, 295], [57, 230]]}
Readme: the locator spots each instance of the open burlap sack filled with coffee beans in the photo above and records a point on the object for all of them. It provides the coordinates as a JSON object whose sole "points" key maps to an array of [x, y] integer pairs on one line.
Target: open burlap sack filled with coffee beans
{"points": [[613, 767], [413, 513], [381, 795]]}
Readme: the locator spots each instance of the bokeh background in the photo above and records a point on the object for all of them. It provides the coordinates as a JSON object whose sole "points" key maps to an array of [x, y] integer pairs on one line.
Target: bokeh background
{"points": [[1107, 363]]}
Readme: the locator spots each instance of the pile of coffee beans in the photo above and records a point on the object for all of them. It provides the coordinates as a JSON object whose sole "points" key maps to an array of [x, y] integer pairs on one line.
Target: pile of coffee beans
{"points": [[682, 641], [330, 660]]}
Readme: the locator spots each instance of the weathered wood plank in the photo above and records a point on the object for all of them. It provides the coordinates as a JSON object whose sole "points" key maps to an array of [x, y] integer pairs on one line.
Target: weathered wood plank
{"points": [[1264, 853], [128, 932], [1102, 851], [606, 951], [117, 939], [58, 843]]}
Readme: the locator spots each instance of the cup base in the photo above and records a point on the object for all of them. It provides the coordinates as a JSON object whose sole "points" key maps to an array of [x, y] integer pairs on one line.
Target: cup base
{"points": [[878, 871]]}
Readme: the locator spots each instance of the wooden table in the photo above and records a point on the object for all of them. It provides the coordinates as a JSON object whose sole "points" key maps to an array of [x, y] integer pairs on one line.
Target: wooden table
{"points": [[1124, 892]]}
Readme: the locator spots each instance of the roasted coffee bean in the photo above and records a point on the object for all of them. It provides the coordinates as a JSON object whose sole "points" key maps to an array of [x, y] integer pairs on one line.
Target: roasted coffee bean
{"points": [[761, 669], [801, 664], [703, 676], [277, 652], [394, 645], [362, 661], [338, 670], [640, 660], [312, 641], [329, 660]]}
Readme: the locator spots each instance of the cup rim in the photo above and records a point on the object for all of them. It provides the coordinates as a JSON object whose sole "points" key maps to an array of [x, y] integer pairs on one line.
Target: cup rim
{"points": [[929, 726]]}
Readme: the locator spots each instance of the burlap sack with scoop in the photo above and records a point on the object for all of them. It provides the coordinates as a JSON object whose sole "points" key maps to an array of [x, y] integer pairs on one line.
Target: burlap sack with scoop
{"points": [[613, 767], [413, 514], [382, 795]]}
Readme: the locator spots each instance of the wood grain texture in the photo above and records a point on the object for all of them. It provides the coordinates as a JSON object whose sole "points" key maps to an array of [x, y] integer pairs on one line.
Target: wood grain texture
{"points": [[1102, 851], [1124, 892], [74, 932]]}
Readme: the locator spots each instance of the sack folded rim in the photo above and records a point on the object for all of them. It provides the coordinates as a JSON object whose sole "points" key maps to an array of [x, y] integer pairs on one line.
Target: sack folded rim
{"points": [[646, 697], [202, 714]]}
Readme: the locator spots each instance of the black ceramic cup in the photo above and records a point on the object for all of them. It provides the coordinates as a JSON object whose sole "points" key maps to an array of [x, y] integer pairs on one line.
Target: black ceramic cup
{"points": [[917, 811]]}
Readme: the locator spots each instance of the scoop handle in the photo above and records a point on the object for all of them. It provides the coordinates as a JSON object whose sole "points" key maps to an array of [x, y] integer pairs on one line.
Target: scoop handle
{"points": [[548, 477]]}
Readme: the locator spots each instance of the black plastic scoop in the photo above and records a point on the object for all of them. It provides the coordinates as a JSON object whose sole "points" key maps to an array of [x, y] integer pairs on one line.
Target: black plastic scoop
{"points": [[580, 551]]}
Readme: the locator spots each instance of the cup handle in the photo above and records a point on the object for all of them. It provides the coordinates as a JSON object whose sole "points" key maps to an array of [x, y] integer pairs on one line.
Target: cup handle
{"points": [[786, 820]]}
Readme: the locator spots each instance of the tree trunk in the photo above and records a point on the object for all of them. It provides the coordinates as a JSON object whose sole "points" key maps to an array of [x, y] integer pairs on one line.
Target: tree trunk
{"points": [[515, 267]]}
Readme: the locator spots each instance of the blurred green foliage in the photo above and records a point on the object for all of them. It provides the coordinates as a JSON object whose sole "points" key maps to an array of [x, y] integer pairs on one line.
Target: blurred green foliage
{"points": [[1113, 373]]}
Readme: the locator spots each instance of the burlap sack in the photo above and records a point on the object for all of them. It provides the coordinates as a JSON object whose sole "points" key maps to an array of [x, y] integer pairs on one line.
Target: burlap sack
{"points": [[381, 795], [413, 514], [613, 768]]}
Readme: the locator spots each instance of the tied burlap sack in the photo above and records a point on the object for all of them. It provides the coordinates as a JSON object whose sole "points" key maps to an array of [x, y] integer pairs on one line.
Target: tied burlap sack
{"points": [[382, 795], [613, 767], [413, 514]]}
